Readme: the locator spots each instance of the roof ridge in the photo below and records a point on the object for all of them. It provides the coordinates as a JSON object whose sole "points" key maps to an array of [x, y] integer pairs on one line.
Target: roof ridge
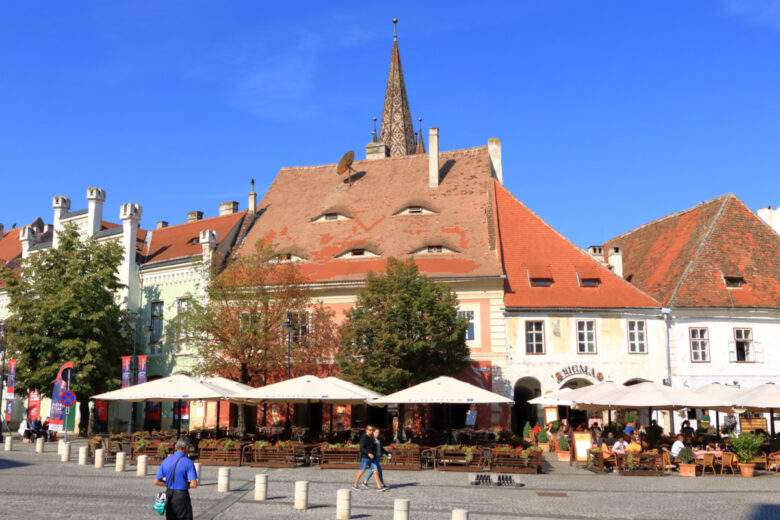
{"points": [[207, 219], [699, 248], [671, 215], [579, 250]]}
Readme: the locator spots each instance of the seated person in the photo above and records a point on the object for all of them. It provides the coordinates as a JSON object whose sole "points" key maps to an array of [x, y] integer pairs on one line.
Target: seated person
{"points": [[653, 434], [677, 446], [629, 429], [686, 429], [620, 446], [605, 451], [635, 446]]}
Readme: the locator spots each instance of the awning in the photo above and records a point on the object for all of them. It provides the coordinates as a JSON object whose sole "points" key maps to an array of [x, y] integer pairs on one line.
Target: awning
{"points": [[305, 389], [641, 395], [554, 398], [178, 387], [443, 390], [715, 396], [762, 397]]}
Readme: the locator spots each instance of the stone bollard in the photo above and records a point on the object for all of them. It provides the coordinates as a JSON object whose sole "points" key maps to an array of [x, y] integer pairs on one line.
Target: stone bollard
{"points": [[301, 495], [65, 453], [119, 467], [343, 504], [223, 480], [401, 509], [39, 445], [83, 452], [460, 514], [99, 458], [197, 470], [140, 465], [60, 444], [261, 487], [9, 442]]}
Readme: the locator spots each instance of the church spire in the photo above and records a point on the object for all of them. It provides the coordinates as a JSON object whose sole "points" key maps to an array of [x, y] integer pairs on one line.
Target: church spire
{"points": [[397, 131], [420, 148]]}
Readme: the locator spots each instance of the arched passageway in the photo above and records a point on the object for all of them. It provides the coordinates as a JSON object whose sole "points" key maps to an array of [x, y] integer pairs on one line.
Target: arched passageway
{"points": [[525, 389]]}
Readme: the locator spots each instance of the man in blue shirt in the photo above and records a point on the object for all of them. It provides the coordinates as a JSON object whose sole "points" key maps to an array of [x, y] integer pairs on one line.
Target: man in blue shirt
{"points": [[177, 475]]}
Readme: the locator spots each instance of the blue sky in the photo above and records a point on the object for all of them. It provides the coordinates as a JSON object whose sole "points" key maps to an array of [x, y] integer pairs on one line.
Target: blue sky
{"points": [[611, 113]]}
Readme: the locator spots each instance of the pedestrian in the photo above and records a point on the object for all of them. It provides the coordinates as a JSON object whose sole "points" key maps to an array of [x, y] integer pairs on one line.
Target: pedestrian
{"points": [[471, 417], [375, 468], [367, 450], [177, 475]]}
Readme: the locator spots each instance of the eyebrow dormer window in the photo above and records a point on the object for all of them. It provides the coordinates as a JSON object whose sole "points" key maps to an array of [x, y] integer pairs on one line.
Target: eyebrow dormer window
{"points": [[358, 253], [331, 216], [415, 210], [541, 282], [734, 282], [590, 282], [433, 250], [287, 257]]}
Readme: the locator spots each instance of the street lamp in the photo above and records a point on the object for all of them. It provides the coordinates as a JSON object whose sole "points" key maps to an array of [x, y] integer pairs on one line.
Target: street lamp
{"points": [[288, 326], [2, 379]]}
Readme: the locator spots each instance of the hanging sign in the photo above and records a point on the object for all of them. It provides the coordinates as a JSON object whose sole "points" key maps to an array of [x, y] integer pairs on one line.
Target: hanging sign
{"points": [[127, 362], [61, 385], [578, 370], [34, 405], [141, 369]]}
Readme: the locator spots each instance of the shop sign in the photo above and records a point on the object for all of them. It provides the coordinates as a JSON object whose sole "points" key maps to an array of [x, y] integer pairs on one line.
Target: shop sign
{"points": [[578, 370]]}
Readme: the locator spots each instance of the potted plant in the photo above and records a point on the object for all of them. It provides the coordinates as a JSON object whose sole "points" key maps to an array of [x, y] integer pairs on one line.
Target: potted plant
{"points": [[563, 449], [527, 431], [687, 466], [746, 446], [543, 441]]}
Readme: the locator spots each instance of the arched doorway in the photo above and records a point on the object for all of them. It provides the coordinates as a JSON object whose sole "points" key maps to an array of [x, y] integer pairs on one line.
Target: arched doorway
{"points": [[526, 388], [574, 417]]}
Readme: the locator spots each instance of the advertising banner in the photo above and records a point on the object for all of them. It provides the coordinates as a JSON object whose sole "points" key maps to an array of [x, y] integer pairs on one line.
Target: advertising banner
{"points": [[127, 374], [58, 411], [9, 389], [34, 405], [101, 411], [141, 369]]}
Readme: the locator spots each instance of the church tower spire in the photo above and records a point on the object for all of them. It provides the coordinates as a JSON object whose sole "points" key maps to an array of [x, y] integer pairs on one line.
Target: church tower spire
{"points": [[397, 131]]}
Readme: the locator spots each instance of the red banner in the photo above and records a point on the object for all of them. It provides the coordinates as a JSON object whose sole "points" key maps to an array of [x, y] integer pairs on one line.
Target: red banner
{"points": [[34, 405], [101, 411], [9, 388], [127, 374], [58, 410], [141, 369]]}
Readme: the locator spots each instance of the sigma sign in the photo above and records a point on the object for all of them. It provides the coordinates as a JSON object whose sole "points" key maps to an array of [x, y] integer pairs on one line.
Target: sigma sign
{"points": [[578, 370]]}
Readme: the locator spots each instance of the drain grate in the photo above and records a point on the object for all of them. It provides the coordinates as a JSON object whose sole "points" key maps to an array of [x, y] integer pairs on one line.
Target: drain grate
{"points": [[552, 494]]}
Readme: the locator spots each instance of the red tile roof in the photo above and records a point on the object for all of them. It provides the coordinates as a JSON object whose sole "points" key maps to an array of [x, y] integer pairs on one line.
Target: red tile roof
{"points": [[10, 247], [682, 258], [529, 244], [181, 241], [461, 221]]}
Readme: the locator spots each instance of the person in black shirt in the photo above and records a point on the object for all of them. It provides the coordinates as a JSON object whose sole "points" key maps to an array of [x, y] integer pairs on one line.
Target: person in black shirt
{"points": [[367, 453]]}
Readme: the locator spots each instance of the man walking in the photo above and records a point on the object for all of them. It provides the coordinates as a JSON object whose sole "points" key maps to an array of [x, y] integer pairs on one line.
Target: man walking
{"points": [[375, 467], [367, 450], [177, 475]]}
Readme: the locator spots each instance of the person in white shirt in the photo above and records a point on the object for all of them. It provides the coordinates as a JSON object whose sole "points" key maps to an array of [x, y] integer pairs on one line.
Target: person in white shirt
{"points": [[620, 446], [677, 447]]}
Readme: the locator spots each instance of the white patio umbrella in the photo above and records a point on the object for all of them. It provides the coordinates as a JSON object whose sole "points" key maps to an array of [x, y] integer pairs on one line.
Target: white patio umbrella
{"points": [[640, 395], [715, 396], [369, 394], [443, 390], [554, 398], [230, 386], [763, 398], [178, 387], [304, 389], [587, 396]]}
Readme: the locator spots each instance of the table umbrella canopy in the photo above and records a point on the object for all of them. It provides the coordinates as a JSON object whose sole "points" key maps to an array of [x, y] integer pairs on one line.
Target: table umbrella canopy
{"points": [[178, 387], [369, 394], [762, 397], [443, 390], [641, 395], [304, 389], [554, 398], [233, 387], [715, 396]]}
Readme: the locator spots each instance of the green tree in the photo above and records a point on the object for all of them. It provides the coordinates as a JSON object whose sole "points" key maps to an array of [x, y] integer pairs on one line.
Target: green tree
{"points": [[63, 307], [403, 330]]}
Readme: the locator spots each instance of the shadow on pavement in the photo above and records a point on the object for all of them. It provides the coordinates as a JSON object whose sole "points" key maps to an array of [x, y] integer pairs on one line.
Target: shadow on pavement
{"points": [[8, 464], [765, 512]]}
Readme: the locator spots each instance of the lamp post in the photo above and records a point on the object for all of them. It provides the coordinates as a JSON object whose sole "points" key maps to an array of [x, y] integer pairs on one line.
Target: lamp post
{"points": [[2, 379], [288, 326]]}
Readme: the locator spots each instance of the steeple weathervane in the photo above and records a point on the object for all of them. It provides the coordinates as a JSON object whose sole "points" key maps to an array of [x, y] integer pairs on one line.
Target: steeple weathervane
{"points": [[397, 130]]}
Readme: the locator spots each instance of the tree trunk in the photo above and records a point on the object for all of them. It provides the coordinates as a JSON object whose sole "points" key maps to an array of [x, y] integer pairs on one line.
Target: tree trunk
{"points": [[84, 419]]}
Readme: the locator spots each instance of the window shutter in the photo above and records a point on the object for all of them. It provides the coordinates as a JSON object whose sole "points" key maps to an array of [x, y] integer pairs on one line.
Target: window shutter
{"points": [[732, 351], [758, 352]]}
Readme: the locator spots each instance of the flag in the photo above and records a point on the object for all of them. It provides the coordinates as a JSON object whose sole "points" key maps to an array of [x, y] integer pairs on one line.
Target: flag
{"points": [[57, 411], [127, 374], [9, 385], [141, 369]]}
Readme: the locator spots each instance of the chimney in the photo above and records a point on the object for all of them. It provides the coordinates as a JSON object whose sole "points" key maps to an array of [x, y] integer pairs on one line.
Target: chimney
{"points": [[194, 216], [162, 224], [433, 157], [61, 205], [615, 261], [28, 236], [494, 150], [771, 217], [95, 200], [208, 241], [2, 230], [130, 215], [228, 207], [597, 253], [377, 150], [252, 202]]}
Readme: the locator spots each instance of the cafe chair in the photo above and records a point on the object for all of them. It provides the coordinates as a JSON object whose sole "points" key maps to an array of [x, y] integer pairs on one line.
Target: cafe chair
{"points": [[729, 462], [707, 461]]}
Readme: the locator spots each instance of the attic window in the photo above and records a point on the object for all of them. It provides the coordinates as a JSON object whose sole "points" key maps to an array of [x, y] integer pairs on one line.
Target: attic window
{"points": [[433, 250], [357, 253], [194, 240], [415, 209], [331, 216], [541, 282], [734, 282], [590, 282], [287, 257]]}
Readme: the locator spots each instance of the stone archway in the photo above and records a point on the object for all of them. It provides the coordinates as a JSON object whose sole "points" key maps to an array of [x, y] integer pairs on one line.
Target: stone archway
{"points": [[525, 389]]}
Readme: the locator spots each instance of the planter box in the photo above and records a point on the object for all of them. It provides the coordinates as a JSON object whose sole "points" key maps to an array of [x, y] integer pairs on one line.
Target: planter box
{"points": [[687, 470], [512, 462], [340, 459], [403, 459], [564, 456], [152, 452], [272, 457], [747, 470], [545, 446], [641, 473], [219, 456], [456, 460]]}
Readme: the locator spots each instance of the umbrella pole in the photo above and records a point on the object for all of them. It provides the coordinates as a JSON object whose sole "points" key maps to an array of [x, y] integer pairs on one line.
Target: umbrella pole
{"points": [[772, 422], [717, 422], [217, 422], [179, 420], [330, 425]]}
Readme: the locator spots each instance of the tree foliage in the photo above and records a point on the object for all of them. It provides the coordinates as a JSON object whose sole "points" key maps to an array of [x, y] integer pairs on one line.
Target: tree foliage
{"points": [[403, 330], [63, 307]]}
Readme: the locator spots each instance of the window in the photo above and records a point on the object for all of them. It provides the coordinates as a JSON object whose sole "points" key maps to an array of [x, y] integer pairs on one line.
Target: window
{"points": [[734, 282], [286, 257], [415, 210], [534, 337], [470, 329], [298, 325], [432, 250], [590, 282], [541, 282], [700, 344], [743, 342], [156, 328], [586, 336], [637, 343], [182, 305], [330, 216], [357, 253]]}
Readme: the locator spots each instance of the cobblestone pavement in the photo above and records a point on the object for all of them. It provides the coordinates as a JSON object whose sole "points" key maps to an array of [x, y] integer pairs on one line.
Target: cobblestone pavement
{"points": [[40, 487]]}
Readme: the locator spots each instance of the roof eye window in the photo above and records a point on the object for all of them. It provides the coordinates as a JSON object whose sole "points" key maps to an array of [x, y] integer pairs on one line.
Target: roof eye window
{"points": [[287, 257], [541, 282], [590, 282], [434, 249], [331, 216], [734, 282], [415, 210], [357, 253]]}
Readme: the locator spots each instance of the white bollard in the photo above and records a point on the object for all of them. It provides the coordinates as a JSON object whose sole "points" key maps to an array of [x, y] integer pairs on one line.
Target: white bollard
{"points": [[99, 458], [223, 480], [197, 470], [343, 504], [83, 452], [301, 495], [261, 487], [65, 453], [60, 444], [9, 443], [460, 514], [140, 465], [119, 467], [39, 445], [401, 509]]}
